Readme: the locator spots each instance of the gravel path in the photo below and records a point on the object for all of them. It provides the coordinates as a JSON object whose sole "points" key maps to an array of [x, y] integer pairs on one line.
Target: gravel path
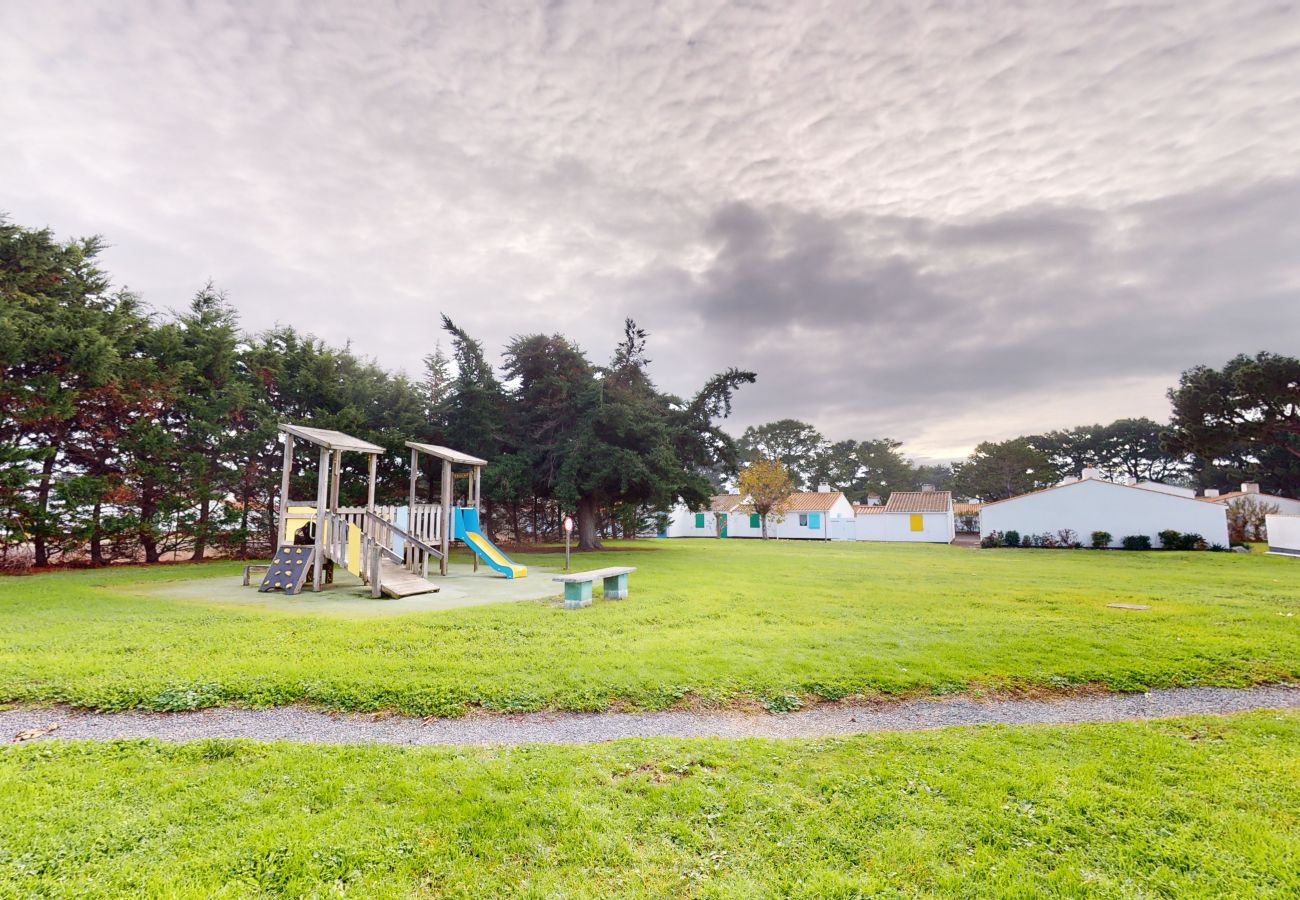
{"points": [[300, 724]]}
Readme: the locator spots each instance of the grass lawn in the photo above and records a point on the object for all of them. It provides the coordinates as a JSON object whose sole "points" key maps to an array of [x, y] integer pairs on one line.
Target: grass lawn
{"points": [[1188, 807], [708, 621]]}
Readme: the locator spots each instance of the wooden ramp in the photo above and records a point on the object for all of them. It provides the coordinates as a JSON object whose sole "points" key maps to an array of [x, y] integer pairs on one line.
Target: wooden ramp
{"points": [[396, 581]]}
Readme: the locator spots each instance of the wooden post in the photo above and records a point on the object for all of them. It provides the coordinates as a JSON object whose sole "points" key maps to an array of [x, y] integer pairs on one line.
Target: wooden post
{"points": [[447, 501], [370, 487], [336, 478], [322, 495], [415, 476], [282, 520]]}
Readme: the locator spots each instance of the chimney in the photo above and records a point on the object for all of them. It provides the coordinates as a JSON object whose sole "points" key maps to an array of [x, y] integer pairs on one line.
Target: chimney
{"points": [[1090, 472], [823, 488], [1211, 492], [1250, 487], [926, 488]]}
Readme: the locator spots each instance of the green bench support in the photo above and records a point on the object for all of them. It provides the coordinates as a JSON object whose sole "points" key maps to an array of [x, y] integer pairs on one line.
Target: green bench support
{"points": [[577, 585]]}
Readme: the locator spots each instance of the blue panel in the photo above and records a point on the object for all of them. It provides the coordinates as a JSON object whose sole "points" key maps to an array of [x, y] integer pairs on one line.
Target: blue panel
{"points": [[814, 520]]}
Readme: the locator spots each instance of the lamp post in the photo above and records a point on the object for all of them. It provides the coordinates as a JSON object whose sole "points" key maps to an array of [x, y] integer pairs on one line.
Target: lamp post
{"points": [[568, 530]]}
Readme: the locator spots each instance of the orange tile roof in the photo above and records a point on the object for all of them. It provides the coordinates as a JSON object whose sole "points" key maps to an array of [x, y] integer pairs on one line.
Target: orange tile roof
{"points": [[724, 502], [1234, 495], [864, 510], [919, 502], [966, 509], [814, 501]]}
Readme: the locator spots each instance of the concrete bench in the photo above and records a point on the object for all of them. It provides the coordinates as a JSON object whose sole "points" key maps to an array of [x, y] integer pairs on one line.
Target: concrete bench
{"points": [[577, 585]]}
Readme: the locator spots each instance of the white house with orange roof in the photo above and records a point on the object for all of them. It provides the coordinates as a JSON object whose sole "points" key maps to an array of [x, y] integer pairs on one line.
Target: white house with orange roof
{"points": [[1091, 504], [809, 517], [924, 516]]}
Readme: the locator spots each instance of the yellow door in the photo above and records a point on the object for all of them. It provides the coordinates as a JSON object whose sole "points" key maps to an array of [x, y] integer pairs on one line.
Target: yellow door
{"points": [[918, 522]]}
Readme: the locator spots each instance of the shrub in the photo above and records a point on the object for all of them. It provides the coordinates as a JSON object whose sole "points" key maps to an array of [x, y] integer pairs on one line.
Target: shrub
{"points": [[1068, 537], [1100, 540], [1027, 541], [1170, 539], [991, 540], [1136, 542], [1011, 538], [1246, 519], [1191, 541]]}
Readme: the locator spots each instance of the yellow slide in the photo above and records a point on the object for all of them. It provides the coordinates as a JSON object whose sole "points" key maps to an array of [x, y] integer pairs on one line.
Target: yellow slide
{"points": [[494, 557]]}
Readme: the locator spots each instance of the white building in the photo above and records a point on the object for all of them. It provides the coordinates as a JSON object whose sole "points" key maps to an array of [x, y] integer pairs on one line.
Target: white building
{"points": [[810, 517], [1285, 505], [1283, 535], [924, 516], [1091, 504]]}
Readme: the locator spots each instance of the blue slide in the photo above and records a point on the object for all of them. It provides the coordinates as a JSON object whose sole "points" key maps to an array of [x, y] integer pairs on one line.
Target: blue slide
{"points": [[466, 529]]}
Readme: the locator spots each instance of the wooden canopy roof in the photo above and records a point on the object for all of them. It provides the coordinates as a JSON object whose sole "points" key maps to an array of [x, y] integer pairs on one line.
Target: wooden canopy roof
{"points": [[332, 440], [446, 453]]}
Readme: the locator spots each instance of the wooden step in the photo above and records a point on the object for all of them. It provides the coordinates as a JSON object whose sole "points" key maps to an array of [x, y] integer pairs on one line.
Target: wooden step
{"points": [[396, 581]]}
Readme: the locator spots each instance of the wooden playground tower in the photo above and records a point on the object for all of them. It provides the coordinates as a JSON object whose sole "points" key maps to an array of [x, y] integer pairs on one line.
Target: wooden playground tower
{"points": [[391, 556], [443, 510]]}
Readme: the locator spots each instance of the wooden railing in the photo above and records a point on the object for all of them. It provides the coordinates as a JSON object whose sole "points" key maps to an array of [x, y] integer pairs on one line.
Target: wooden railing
{"points": [[377, 541], [426, 522]]}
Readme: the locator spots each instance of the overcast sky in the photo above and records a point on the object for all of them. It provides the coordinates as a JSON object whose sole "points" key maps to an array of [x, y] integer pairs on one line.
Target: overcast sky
{"points": [[939, 222]]}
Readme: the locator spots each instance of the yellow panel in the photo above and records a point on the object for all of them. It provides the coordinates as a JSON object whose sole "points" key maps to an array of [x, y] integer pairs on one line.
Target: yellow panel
{"points": [[354, 550], [918, 522]]}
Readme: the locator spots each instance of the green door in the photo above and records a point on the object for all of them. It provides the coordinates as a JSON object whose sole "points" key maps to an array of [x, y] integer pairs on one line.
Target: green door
{"points": [[722, 524]]}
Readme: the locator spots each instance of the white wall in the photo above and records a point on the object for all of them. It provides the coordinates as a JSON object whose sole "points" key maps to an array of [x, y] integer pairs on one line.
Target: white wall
{"points": [[938, 528], [1283, 534], [683, 524], [1093, 505]]}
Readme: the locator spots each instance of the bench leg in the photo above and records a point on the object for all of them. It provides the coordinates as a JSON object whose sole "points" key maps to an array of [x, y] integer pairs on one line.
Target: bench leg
{"points": [[616, 587], [577, 594]]}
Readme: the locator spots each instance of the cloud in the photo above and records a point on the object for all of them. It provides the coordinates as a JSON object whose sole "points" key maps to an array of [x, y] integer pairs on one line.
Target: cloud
{"points": [[913, 218]]}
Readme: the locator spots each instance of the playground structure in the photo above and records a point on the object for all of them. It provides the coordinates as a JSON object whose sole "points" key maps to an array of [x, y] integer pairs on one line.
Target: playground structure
{"points": [[389, 548], [456, 522]]}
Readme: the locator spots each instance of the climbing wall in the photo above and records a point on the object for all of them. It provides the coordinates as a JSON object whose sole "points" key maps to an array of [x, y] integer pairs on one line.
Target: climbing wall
{"points": [[289, 569]]}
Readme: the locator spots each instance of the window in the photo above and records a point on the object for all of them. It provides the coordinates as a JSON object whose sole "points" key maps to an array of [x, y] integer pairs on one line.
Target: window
{"points": [[699, 520], [918, 522], [814, 520], [803, 520], [755, 520]]}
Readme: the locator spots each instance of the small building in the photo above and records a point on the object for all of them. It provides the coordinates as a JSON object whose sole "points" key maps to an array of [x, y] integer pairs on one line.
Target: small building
{"points": [[1285, 505], [809, 517], [710, 522], [920, 516], [1092, 504], [1283, 535]]}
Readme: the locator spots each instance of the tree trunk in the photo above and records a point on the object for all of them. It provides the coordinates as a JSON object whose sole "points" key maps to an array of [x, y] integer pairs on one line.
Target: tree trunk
{"points": [[588, 538], [763, 518], [39, 547], [148, 509], [201, 530], [96, 539], [243, 522]]}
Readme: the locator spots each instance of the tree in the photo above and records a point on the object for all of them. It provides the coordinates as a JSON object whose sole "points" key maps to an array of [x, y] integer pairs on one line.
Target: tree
{"points": [[1244, 417], [211, 402], [767, 487], [1133, 448], [796, 444], [1248, 519], [996, 471], [62, 334]]}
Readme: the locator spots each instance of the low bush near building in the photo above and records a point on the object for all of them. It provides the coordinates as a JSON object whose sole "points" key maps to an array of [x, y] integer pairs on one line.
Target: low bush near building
{"points": [[1100, 540], [1011, 538], [1136, 542], [1174, 540], [991, 540]]}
